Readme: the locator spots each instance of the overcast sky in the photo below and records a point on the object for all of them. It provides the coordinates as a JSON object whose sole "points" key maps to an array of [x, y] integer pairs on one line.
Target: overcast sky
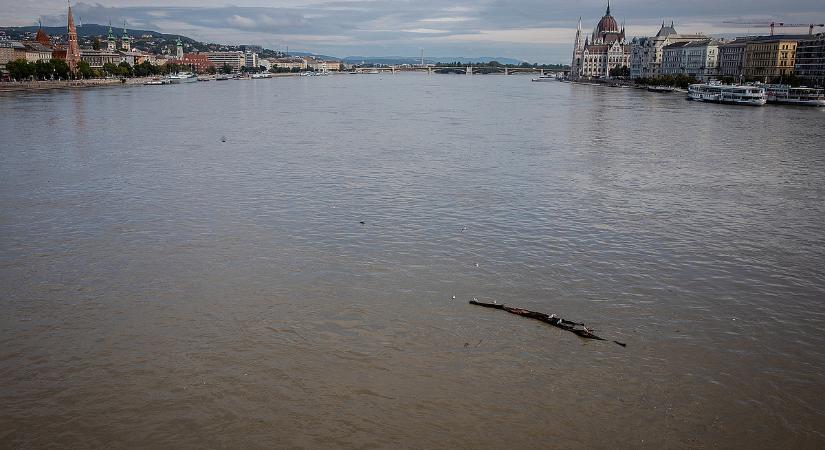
{"points": [[532, 30]]}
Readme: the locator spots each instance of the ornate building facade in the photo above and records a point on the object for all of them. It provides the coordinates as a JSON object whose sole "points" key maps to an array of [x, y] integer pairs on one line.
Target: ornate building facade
{"points": [[603, 51]]}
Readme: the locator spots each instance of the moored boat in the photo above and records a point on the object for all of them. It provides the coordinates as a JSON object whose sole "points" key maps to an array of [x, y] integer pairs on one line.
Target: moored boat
{"points": [[802, 96], [662, 89], [183, 77], [544, 78], [156, 81], [731, 95]]}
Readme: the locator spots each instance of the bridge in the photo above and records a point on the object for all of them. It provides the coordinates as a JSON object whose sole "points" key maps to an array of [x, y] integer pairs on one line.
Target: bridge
{"points": [[469, 70]]}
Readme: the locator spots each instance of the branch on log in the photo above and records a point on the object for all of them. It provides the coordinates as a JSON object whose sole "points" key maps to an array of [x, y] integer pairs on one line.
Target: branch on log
{"points": [[567, 325]]}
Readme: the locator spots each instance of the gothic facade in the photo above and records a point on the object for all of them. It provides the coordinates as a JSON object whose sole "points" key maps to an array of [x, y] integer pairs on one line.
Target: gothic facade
{"points": [[602, 52]]}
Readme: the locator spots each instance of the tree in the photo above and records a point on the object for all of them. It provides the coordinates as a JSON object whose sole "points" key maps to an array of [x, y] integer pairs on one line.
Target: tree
{"points": [[226, 69], [20, 69], [620, 72], [43, 69], [125, 70], [84, 70], [61, 68]]}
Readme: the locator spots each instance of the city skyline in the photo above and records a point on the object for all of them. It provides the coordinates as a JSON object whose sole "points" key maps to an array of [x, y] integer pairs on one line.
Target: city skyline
{"points": [[527, 30]]}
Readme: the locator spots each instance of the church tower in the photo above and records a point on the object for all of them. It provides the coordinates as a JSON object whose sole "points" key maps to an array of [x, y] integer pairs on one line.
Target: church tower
{"points": [[72, 50], [179, 49], [578, 47], [125, 41], [111, 42]]}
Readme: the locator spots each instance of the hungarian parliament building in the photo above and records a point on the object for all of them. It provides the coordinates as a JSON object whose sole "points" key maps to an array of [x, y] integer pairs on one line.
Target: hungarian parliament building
{"points": [[601, 52]]}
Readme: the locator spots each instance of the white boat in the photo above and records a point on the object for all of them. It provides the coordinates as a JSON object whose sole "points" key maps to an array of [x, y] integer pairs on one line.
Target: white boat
{"points": [[731, 95], [261, 75], [544, 78], [662, 89], [222, 77], [156, 82], [183, 77], [802, 96]]}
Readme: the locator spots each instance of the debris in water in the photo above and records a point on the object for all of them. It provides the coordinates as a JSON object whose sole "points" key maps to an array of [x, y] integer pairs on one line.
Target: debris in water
{"points": [[223, 138], [362, 222], [573, 327]]}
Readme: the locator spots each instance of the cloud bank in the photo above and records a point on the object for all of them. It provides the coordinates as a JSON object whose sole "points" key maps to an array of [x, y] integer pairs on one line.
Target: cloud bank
{"points": [[533, 30]]}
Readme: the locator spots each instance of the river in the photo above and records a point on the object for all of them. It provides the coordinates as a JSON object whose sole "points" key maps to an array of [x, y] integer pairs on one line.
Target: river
{"points": [[185, 266]]}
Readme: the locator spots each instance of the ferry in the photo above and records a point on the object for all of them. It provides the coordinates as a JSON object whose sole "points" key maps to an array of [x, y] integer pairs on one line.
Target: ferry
{"points": [[544, 78], [802, 96], [731, 95], [183, 77], [662, 89], [256, 76]]}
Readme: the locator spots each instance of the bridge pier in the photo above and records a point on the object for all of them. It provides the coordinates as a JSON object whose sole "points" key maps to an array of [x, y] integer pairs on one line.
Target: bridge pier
{"points": [[469, 70], [506, 71], [429, 70]]}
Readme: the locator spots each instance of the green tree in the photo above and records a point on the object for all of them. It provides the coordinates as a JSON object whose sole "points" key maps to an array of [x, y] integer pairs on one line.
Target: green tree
{"points": [[144, 69], [125, 70], [111, 68], [84, 70], [20, 69], [43, 69], [61, 68]]}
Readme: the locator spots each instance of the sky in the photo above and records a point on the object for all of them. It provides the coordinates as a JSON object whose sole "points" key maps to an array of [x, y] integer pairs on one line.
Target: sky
{"points": [[539, 31]]}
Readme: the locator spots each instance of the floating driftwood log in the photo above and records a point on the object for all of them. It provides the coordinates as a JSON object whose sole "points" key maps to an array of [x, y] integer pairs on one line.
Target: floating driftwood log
{"points": [[567, 325]]}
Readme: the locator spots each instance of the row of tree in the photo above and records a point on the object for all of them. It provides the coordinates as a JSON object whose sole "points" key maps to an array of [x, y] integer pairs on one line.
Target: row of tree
{"points": [[681, 81], [54, 69], [58, 69]]}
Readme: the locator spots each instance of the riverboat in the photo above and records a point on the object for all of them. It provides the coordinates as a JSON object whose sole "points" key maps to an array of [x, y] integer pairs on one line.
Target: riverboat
{"points": [[257, 76], [661, 89], [731, 95], [544, 78], [801, 96], [183, 77]]}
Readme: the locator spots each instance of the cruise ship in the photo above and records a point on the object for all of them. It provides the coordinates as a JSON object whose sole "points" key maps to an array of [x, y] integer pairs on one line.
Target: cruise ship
{"points": [[183, 77], [802, 96], [731, 95]]}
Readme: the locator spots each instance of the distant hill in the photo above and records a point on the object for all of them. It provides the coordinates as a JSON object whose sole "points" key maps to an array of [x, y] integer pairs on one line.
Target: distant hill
{"points": [[316, 56], [90, 30], [429, 60]]}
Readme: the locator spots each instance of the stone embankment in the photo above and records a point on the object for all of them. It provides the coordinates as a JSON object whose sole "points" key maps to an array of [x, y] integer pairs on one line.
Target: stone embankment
{"points": [[73, 84]]}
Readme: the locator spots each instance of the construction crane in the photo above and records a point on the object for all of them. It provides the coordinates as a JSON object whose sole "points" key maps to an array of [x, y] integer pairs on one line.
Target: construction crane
{"points": [[781, 24]]}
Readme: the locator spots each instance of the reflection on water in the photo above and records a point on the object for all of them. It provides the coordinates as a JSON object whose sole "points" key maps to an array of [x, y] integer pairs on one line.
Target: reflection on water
{"points": [[164, 288]]}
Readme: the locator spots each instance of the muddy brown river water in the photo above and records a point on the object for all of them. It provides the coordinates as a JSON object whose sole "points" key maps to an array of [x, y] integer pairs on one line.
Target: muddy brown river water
{"points": [[160, 288]]}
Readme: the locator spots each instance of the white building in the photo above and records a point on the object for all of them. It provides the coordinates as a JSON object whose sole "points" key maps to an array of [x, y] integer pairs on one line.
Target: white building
{"points": [[289, 63], [251, 60], [646, 53], [698, 59], [605, 50]]}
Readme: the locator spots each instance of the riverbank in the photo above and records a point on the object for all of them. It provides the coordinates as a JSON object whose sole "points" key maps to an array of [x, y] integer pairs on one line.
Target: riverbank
{"points": [[14, 86]]}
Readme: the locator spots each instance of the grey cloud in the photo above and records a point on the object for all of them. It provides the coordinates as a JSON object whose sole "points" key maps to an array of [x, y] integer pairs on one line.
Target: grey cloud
{"points": [[378, 26]]}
